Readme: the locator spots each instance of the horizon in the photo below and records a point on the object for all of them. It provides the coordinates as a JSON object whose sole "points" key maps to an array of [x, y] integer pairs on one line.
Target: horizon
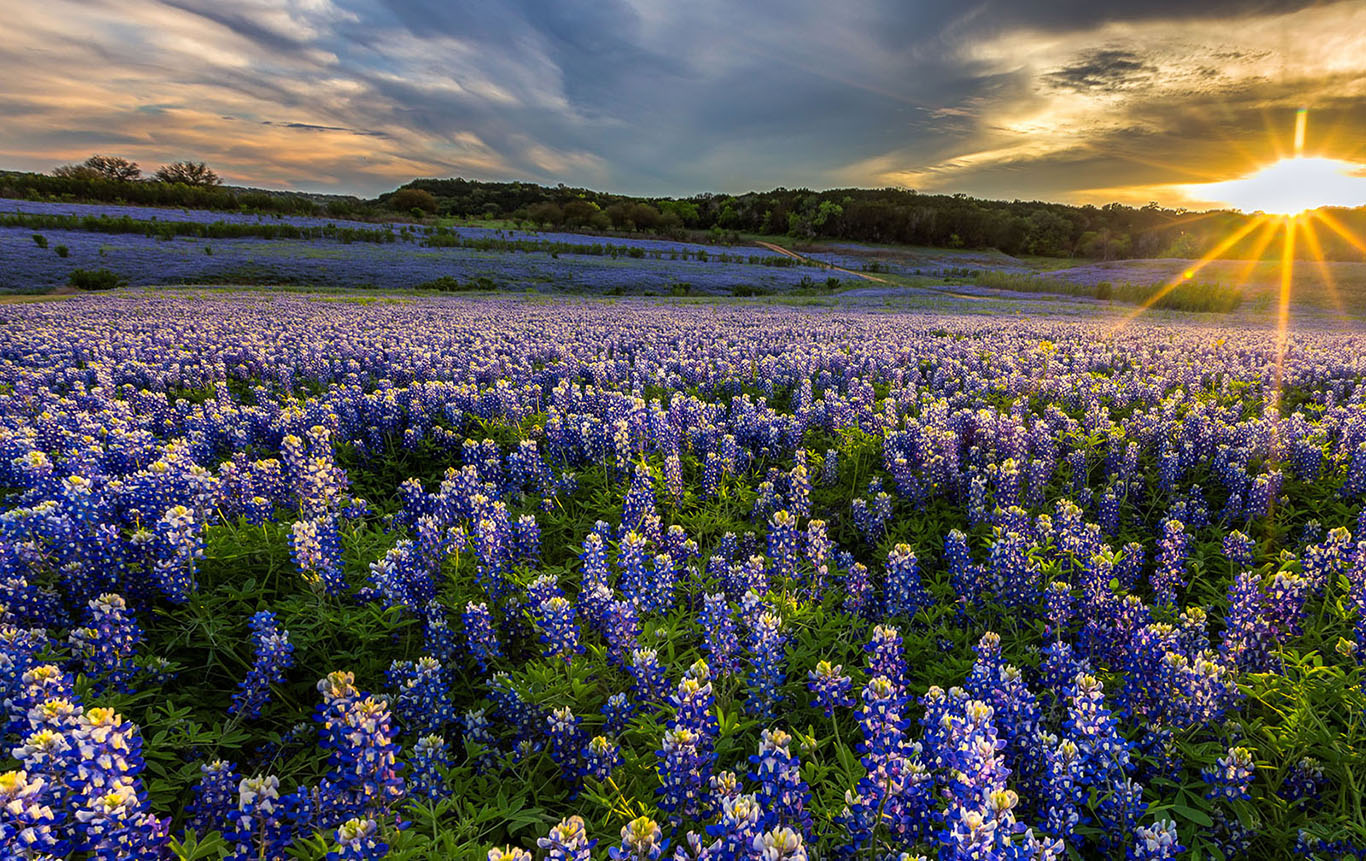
{"points": [[1057, 102]]}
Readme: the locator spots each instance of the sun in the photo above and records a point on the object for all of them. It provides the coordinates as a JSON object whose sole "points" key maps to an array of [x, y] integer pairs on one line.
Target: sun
{"points": [[1290, 186], [1290, 200]]}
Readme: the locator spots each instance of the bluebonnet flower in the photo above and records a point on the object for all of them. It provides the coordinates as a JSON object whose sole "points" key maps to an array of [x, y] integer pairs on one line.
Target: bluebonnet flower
{"points": [[1231, 775], [106, 795], [274, 655], [1171, 562], [364, 775], [641, 840], [180, 544], [358, 839], [766, 665], [527, 538], [315, 548], [682, 772], [719, 639], [783, 793], [108, 642], [830, 688], [423, 704], [904, 593], [479, 738], [566, 745], [1156, 842], [509, 853], [559, 632], [27, 821], [858, 589], [651, 684], [215, 796], [568, 841], [1238, 549], [780, 844], [617, 711], [601, 757], [428, 766], [1304, 781], [480, 639], [886, 657], [739, 821]]}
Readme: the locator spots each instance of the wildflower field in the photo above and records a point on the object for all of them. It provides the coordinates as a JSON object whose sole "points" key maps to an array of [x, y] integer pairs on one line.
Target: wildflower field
{"points": [[283, 576]]}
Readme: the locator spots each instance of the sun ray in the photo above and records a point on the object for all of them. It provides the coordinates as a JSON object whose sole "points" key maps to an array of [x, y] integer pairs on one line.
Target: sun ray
{"points": [[1311, 240], [1283, 306], [1191, 271], [1338, 228], [1259, 245]]}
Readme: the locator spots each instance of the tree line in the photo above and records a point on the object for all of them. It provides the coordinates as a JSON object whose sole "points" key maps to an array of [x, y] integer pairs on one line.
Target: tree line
{"points": [[885, 215]]}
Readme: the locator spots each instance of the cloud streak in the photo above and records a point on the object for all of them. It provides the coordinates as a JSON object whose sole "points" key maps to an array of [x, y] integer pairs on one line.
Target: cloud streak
{"points": [[1069, 100]]}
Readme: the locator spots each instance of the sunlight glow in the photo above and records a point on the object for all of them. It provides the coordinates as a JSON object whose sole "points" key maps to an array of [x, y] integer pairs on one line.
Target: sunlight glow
{"points": [[1290, 186]]}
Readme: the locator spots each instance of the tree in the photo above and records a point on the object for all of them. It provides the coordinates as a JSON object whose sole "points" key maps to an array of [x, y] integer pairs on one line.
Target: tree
{"points": [[577, 213], [101, 167], [411, 198], [195, 173], [545, 214]]}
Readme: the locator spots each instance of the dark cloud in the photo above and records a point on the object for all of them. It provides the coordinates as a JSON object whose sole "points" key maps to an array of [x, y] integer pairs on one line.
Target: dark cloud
{"points": [[1103, 70]]}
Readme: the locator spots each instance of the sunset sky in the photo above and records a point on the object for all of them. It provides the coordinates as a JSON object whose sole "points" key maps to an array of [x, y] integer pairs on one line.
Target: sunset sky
{"points": [[1074, 101]]}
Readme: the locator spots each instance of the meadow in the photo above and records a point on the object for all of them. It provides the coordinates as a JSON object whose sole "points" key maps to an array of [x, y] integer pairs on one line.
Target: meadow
{"points": [[356, 577], [46, 245]]}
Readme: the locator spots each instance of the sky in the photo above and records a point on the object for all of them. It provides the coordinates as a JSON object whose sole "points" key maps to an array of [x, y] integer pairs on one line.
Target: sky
{"points": [[1074, 100]]}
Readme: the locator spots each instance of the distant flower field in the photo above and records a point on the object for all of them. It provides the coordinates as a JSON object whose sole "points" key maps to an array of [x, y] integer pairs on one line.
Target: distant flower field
{"points": [[314, 577], [149, 246]]}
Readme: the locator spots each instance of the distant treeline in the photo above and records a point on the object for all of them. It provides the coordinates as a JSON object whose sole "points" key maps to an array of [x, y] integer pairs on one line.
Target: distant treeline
{"points": [[79, 189], [887, 215]]}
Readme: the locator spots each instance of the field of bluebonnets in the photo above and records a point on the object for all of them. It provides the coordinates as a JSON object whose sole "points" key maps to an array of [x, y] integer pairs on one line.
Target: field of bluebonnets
{"points": [[288, 576], [42, 243]]}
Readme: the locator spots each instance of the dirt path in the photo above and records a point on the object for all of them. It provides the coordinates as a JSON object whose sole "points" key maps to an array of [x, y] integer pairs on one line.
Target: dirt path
{"points": [[821, 264]]}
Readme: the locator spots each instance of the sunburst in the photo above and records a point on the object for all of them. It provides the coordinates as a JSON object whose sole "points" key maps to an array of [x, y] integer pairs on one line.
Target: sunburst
{"points": [[1287, 198]]}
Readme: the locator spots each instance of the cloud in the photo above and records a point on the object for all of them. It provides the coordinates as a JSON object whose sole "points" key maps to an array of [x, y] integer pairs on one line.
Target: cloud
{"points": [[1030, 98]]}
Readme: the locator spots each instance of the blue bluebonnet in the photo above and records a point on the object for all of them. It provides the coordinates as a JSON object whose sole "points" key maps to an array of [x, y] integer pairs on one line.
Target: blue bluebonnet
{"points": [[617, 711], [568, 841], [559, 631], [427, 768], [215, 796], [829, 687], [767, 661], [480, 638], [719, 638], [315, 548], [1155, 842], [641, 840], [423, 702], [904, 592], [274, 655], [783, 792], [1231, 775], [358, 839], [601, 757], [108, 642]]}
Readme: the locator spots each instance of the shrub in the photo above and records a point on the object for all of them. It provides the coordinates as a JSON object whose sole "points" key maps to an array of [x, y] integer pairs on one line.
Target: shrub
{"points": [[40, 240], [446, 284], [63, 251], [95, 279]]}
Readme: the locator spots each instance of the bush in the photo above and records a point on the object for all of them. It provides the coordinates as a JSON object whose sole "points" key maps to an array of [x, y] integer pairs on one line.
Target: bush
{"points": [[40, 240], [446, 284], [63, 251], [95, 279]]}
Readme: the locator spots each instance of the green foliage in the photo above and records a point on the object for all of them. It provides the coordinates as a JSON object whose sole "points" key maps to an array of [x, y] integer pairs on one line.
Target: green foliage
{"points": [[95, 279]]}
